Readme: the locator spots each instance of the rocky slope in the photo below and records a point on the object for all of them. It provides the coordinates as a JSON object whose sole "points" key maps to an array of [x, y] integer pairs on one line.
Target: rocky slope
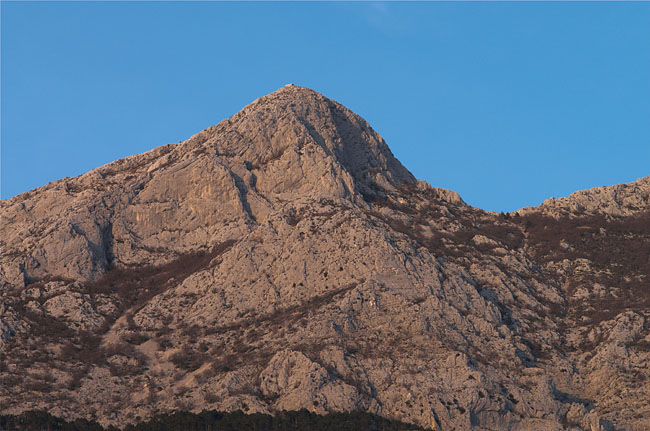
{"points": [[284, 259], [619, 200]]}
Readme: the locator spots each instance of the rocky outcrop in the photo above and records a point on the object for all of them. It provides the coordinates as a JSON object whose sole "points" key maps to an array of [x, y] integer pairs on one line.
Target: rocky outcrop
{"points": [[284, 259], [619, 200]]}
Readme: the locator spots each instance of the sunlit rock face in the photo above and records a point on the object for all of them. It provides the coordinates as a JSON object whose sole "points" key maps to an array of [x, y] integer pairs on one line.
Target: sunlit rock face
{"points": [[284, 259]]}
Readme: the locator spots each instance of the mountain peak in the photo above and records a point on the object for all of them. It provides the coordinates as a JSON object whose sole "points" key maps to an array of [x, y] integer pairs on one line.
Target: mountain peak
{"points": [[616, 200], [294, 123], [243, 270]]}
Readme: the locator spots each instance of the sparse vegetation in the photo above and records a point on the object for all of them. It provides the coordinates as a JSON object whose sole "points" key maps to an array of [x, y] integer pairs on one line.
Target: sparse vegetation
{"points": [[135, 285], [618, 252], [188, 359], [217, 421]]}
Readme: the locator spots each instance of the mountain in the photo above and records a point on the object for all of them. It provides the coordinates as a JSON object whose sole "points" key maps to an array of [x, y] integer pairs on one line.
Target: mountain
{"points": [[619, 200], [284, 259]]}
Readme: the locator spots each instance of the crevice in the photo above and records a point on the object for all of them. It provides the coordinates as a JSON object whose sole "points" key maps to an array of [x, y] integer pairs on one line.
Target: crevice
{"points": [[243, 195]]}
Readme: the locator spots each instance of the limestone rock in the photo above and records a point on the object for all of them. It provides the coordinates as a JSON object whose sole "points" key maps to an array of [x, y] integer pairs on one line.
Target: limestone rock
{"points": [[618, 200], [284, 259]]}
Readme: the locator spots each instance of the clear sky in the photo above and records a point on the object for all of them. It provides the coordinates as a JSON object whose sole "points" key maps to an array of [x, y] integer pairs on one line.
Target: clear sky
{"points": [[506, 103]]}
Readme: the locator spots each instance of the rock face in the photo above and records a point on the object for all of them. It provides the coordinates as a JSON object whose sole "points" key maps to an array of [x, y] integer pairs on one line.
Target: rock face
{"points": [[284, 259], [619, 200]]}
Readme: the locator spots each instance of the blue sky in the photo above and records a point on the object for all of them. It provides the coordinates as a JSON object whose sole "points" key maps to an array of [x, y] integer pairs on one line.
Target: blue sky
{"points": [[506, 103]]}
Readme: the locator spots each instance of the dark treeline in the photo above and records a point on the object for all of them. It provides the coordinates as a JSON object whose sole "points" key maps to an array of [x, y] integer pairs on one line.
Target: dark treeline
{"points": [[302, 420]]}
